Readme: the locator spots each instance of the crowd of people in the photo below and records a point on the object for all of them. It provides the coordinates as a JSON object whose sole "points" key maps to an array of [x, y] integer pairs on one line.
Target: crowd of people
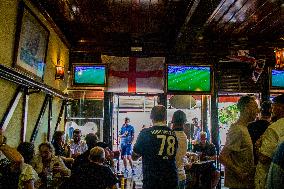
{"points": [[57, 164], [164, 153], [253, 153], [252, 156], [89, 163]]}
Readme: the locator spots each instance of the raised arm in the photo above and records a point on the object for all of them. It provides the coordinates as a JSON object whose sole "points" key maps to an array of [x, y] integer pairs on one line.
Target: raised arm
{"points": [[11, 153]]}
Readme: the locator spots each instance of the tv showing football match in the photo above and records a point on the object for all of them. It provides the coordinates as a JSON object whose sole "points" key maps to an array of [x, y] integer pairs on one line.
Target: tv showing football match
{"points": [[277, 78], [186, 78], [89, 75]]}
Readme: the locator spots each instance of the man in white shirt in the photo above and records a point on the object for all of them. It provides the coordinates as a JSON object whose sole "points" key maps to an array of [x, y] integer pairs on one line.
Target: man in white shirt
{"points": [[237, 154], [273, 135], [178, 121], [77, 146]]}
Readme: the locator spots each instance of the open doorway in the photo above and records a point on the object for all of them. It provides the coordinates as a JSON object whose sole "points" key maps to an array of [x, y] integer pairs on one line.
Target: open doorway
{"points": [[138, 107], [135, 107], [228, 112]]}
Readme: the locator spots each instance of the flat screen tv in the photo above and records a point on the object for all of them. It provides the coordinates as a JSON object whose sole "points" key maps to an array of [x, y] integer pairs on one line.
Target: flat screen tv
{"points": [[91, 75], [189, 79], [277, 79]]}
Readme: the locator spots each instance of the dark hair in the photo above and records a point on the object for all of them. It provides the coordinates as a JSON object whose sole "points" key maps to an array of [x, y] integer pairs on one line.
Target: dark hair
{"points": [[77, 131], [102, 145], [244, 101], [278, 99], [91, 140], [179, 118], [27, 150], [48, 145], [57, 135], [127, 119], [266, 108], [158, 113]]}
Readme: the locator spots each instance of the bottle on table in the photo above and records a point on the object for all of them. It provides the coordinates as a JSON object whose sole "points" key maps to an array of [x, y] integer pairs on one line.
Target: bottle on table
{"points": [[49, 178], [122, 183]]}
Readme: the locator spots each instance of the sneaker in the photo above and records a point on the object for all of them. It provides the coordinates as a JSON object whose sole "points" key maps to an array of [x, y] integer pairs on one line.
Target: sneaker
{"points": [[133, 172], [125, 173]]}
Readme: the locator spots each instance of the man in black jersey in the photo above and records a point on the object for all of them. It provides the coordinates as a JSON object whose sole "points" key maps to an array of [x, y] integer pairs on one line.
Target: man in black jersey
{"points": [[157, 146]]}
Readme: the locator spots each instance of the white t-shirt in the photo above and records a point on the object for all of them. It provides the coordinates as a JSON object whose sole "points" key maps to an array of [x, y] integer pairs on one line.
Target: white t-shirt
{"points": [[273, 135], [181, 153], [27, 173], [239, 145]]}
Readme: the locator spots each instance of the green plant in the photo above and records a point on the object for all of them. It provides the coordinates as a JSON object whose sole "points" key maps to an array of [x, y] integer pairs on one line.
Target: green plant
{"points": [[228, 115]]}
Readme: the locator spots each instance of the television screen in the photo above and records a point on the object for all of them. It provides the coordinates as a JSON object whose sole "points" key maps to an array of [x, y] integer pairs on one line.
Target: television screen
{"points": [[189, 78], [277, 78], [89, 75]]}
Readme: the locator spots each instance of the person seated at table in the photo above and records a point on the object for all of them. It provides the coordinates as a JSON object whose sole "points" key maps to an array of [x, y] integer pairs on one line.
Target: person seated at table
{"points": [[14, 170], [93, 174], [61, 148], [77, 146], [109, 155], [91, 141], [207, 151], [46, 164], [26, 149]]}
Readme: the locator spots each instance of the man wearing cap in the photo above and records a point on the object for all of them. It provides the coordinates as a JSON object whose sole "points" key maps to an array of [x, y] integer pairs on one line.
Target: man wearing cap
{"points": [[126, 135], [273, 135]]}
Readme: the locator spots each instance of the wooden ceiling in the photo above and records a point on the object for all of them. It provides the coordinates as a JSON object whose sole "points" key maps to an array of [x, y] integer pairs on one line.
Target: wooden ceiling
{"points": [[249, 18], [162, 26]]}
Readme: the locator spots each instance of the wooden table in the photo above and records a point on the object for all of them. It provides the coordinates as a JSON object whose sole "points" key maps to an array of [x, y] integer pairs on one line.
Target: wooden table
{"points": [[200, 174]]}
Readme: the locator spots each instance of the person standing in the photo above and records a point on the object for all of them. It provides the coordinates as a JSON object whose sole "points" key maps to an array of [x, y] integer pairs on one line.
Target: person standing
{"points": [[273, 135], [275, 178], [258, 127], [157, 145], [196, 130], [178, 121], [127, 136], [237, 154]]}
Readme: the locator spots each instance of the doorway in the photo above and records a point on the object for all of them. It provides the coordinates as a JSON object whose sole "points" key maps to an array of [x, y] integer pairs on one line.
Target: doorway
{"points": [[135, 107]]}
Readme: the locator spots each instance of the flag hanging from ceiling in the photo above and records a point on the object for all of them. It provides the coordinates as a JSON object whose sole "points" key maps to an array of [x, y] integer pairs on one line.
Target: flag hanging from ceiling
{"points": [[130, 74]]}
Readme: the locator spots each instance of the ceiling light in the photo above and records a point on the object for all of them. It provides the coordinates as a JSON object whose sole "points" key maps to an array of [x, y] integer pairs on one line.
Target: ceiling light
{"points": [[136, 49]]}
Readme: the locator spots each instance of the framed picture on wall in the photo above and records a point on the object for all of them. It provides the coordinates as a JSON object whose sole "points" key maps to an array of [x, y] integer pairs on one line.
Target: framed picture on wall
{"points": [[31, 43]]}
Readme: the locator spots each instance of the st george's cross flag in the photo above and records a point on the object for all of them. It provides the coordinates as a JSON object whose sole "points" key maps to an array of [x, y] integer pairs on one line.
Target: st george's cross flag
{"points": [[132, 75]]}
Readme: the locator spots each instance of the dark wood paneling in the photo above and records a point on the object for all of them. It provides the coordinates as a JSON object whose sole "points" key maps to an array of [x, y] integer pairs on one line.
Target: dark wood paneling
{"points": [[162, 27], [246, 18]]}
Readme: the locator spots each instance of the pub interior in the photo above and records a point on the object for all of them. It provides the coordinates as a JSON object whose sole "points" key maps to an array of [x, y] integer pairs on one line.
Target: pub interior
{"points": [[70, 67]]}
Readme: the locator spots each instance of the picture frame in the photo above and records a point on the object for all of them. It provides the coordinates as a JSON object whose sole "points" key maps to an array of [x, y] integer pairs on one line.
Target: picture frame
{"points": [[31, 43]]}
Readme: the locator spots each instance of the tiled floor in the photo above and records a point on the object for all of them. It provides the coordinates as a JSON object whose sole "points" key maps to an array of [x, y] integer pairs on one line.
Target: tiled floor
{"points": [[138, 176]]}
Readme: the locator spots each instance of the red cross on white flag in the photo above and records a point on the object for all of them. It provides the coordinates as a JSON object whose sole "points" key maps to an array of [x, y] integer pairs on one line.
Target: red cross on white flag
{"points": [[130, 75]]}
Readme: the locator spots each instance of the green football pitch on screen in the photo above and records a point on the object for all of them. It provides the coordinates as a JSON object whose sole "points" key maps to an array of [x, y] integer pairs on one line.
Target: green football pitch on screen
{"points": [[90, 75], [189, 80]]}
